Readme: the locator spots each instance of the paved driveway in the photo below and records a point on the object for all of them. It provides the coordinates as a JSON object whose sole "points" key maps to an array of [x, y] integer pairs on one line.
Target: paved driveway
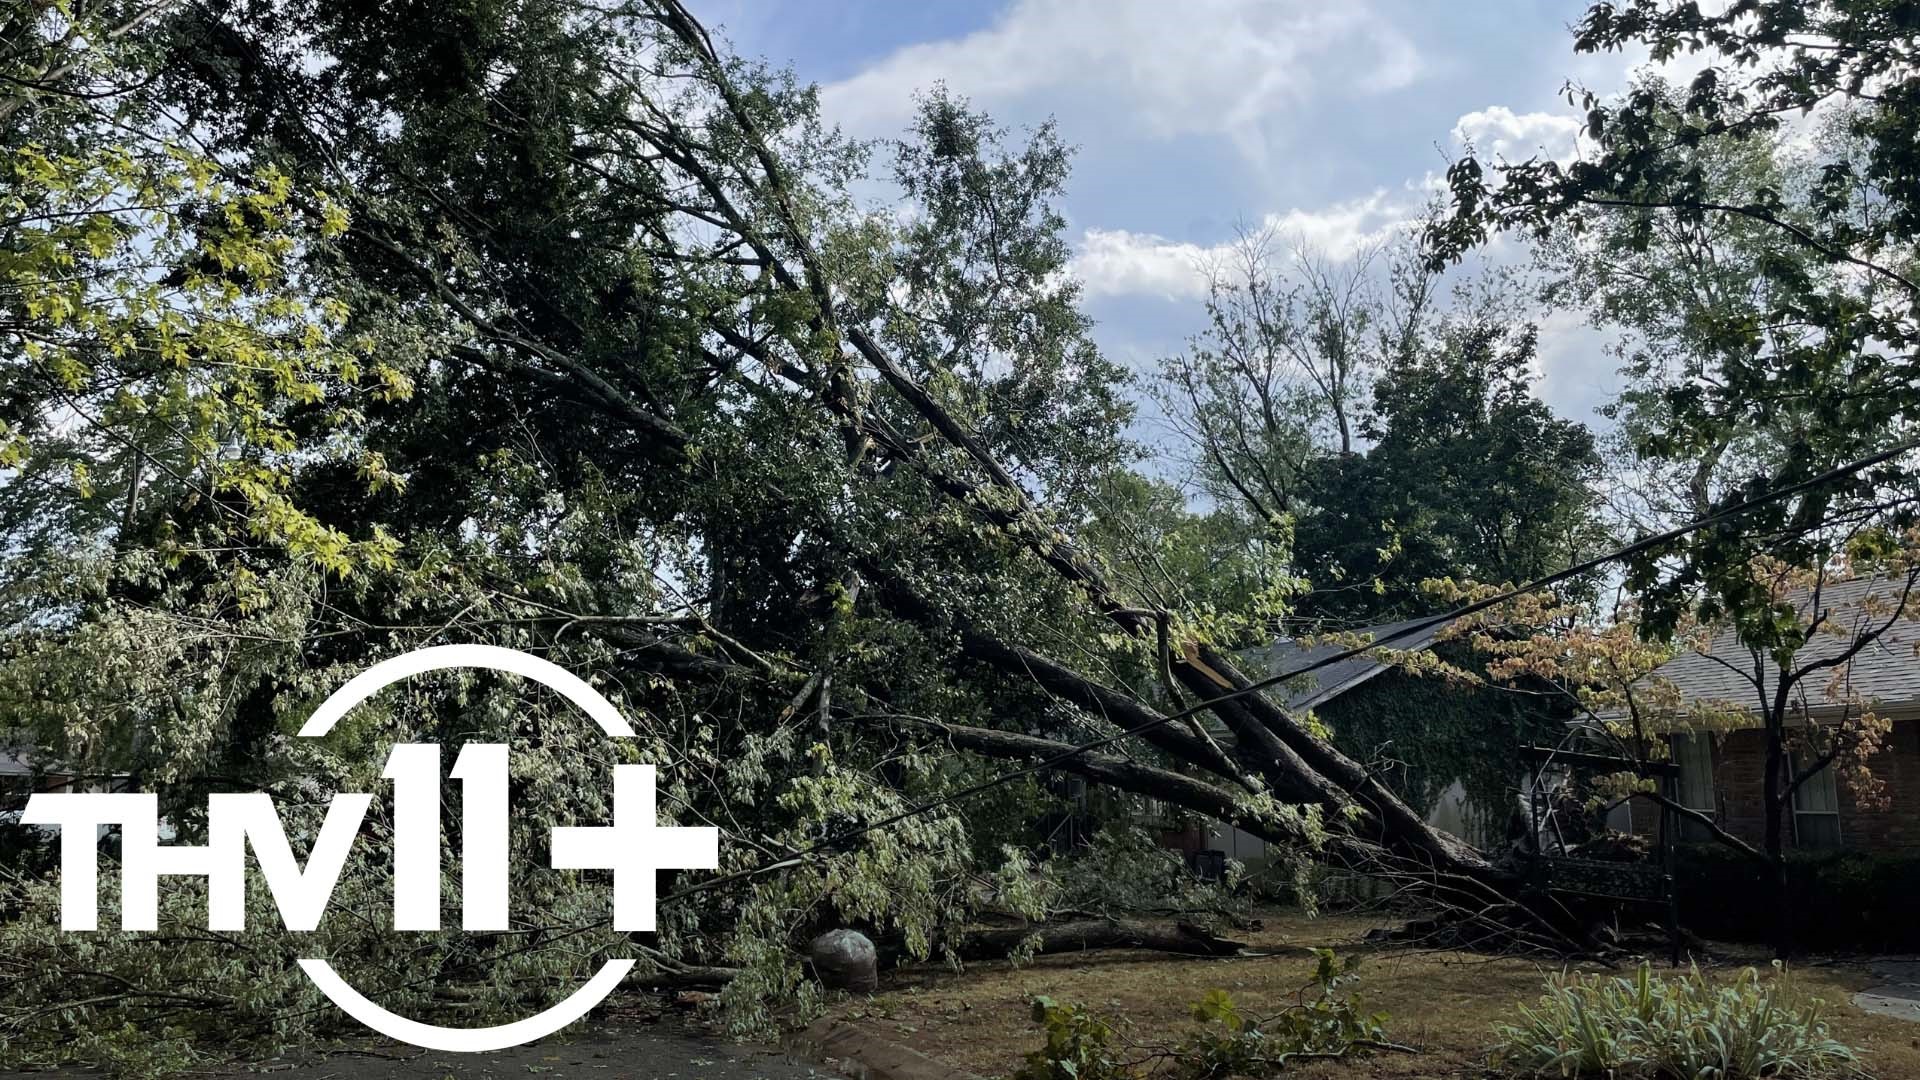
{"points": [[1898, 995]]}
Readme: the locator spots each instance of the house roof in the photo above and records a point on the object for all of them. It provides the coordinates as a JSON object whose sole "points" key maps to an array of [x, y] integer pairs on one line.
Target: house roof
{"points": [[1318, 687], [1886, 672]]}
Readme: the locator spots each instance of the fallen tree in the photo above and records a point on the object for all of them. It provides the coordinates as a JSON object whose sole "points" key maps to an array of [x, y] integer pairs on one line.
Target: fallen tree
{"points": [[698, 155], [1001, 942], [1298, 765], [570, 335], [1089, 934]]}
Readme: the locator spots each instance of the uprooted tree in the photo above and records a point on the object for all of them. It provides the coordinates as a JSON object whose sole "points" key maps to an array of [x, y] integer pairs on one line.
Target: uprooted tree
{"points": [[559, 328]]}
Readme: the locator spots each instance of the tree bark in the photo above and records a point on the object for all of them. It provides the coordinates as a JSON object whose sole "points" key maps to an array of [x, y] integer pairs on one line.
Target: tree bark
{"points": [[1089, 934], [1219, 803], [1775, 798], [1396, 822]]}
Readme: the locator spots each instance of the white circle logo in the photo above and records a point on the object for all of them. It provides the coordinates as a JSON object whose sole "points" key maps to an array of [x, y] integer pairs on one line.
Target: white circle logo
{"points": [[634, 847], [576, 1004]]}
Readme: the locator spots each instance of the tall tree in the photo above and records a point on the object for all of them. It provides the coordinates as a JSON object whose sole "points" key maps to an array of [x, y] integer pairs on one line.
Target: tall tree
{"points": [[1374, 433], [1468, 476], [1692, 295], [1281, 374], [1820, 351], [1755, 232]]}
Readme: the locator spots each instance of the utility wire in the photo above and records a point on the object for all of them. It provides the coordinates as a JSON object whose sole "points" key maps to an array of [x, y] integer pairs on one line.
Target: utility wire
{"points": [[1645, 544]]}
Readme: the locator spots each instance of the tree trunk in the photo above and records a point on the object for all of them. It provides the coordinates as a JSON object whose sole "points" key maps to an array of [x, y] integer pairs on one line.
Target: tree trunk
{"points": [[1298, 766], [1212, 801], [1088, 934], [1775, 797], [1293, 761], [998, 943]]}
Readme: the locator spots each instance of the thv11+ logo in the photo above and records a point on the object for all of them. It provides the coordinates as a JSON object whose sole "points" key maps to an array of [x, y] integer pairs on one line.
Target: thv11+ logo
{"points": [[634, 847]]}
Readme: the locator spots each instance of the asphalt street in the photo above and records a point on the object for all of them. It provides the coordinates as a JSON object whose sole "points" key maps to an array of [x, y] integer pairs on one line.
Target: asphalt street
{"points": [[665, 1050]]}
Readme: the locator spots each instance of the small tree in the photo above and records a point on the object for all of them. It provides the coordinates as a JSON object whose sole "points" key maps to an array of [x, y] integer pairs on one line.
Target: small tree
{"points": [[1798, 658]]}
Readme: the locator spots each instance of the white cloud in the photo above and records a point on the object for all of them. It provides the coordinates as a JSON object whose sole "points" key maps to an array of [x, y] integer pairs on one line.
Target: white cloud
{"points": [[1116, 262], [1517, 136], [1340, 230], [1206, 67], [1577, 373]]}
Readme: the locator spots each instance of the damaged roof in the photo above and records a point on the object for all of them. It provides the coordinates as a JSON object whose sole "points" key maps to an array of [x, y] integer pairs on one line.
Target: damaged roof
{"points": [[1318, 687]]}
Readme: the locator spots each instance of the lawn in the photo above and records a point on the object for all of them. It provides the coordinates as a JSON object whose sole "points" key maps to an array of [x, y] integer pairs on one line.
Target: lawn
{"points": [[1442, 1003]]}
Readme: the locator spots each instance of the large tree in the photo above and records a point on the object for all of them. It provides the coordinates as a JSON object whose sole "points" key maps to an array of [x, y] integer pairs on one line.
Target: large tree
{"points": [[1753, 236], [1806, 356], [1370, 430], [620, 372], [1469, 476]]}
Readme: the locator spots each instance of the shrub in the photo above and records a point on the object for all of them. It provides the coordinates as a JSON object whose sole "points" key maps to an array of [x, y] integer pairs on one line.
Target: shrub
{"points": [[1076, 1047], [1684, 1027], [1846, 899], [1228, 1041]]}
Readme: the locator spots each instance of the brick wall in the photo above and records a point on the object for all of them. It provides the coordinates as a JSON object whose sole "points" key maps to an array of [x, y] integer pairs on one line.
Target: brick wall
{"points": [[1893, 827]]}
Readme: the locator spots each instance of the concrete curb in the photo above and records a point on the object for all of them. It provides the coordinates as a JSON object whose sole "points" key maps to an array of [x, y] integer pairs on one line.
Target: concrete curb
{"points": [[863, 1055]]}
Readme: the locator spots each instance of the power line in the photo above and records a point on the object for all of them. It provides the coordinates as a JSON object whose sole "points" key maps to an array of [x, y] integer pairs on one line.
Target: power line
{"points": [[1416, 627]]}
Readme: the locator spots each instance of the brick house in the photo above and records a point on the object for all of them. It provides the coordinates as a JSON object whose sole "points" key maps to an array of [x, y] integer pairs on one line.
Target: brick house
{"points": [[1722, 774]]}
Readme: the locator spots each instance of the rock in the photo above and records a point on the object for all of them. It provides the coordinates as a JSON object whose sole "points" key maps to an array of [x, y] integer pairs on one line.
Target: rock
{"points": [[845, 960]]}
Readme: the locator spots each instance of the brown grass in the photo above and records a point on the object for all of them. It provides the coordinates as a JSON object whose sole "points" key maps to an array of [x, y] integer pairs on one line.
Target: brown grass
{"points": [[1443, 1003]]}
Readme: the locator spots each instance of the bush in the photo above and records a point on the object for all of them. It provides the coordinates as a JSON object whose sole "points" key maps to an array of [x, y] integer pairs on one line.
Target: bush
{"points": [[1684, 1027], [1322, 1023], [1227, 1041], [1076, 1048], [1846, 900]]}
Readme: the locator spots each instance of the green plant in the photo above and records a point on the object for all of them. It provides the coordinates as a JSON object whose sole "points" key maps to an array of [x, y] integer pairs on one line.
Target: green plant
{"points": [[1322, 1022], [1076, 1047], [1123, 869], [1685, 1027]]}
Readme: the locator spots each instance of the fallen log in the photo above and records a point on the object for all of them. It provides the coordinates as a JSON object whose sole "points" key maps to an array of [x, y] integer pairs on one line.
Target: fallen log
{"points": [[998, 943], [1085, 935], [687, 978]]}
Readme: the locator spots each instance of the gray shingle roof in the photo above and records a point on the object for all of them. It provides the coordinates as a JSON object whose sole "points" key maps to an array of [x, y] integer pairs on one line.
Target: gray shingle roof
{"points": [[1886, 672], [1319, 687]]}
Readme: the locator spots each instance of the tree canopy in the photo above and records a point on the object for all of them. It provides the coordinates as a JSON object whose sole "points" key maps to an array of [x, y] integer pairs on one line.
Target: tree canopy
{"points": [[1769, 209], [330, 329]]}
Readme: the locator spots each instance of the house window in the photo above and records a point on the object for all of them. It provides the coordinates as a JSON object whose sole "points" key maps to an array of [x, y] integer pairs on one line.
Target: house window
{"points": [[1816, 809], [1693, 752], [1620, 816]]}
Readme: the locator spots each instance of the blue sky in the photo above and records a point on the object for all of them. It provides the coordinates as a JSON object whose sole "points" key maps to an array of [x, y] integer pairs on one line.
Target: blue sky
{"points": [[1326, 119]]}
